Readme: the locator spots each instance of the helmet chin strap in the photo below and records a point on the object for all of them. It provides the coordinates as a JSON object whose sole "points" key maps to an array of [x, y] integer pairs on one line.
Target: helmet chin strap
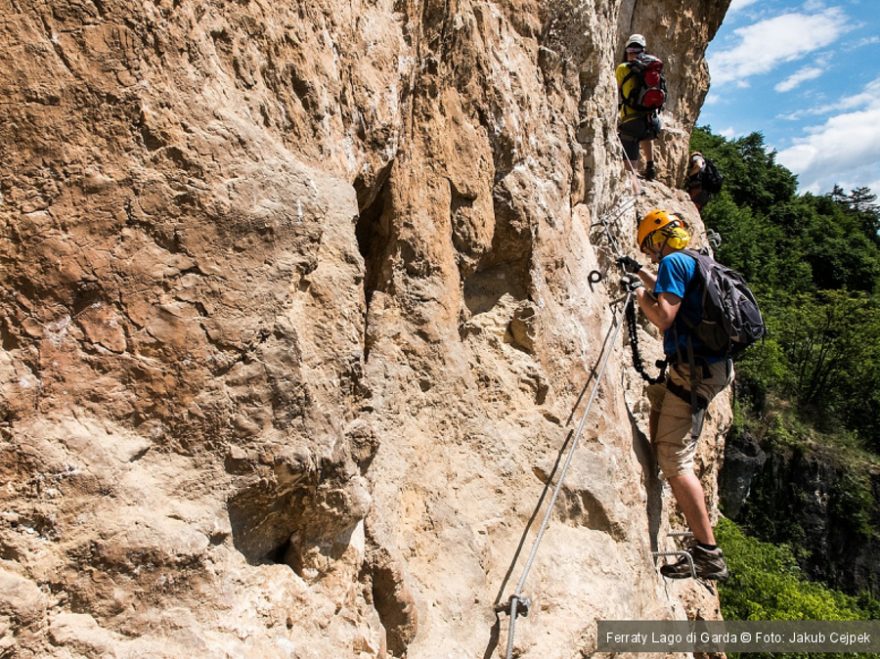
{"points": [[657, 252], [661, 249]]}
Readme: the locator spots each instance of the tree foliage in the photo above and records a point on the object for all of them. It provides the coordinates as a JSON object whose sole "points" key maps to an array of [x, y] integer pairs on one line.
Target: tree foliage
{"points": [[814, 264], [814, 261], [766, 584]]}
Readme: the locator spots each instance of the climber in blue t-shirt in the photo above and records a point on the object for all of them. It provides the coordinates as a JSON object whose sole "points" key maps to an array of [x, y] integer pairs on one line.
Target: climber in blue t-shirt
{"points": [[677, 405], [674, 276]]}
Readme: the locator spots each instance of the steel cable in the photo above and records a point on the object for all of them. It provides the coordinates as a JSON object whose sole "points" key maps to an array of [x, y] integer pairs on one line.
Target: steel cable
{"points": [[517, 594]]}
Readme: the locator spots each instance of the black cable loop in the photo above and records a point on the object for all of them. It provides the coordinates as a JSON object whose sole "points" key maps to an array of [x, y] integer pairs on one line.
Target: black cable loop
{"points": [[638, 362], [629, 310]]}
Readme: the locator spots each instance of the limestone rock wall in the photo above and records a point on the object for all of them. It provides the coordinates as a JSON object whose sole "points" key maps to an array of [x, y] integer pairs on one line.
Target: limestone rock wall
{"points": [[295, 322]]}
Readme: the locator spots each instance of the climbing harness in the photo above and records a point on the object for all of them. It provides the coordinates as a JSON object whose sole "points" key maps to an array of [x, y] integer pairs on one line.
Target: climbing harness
{"points": [[517, 604]]}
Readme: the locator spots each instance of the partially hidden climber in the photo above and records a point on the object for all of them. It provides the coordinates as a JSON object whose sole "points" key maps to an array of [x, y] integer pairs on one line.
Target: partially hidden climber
{"points": [[703, 180], [673, 302], [641, 94]]}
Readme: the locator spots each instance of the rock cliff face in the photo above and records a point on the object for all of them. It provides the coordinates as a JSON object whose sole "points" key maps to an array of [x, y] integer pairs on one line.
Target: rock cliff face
{"points": [[295, 321]]}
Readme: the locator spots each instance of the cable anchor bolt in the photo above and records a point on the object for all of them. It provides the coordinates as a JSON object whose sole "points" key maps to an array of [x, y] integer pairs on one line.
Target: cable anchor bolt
{"points": [[523, 605]]}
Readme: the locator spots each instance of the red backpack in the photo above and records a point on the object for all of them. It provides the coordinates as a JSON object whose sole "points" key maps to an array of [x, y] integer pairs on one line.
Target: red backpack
{"points": [[649, 92]]}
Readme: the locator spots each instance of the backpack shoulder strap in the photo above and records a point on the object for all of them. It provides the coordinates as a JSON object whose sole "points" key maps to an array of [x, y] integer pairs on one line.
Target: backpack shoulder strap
{"points": [[697, 256], [632, 73], [701, 264]]}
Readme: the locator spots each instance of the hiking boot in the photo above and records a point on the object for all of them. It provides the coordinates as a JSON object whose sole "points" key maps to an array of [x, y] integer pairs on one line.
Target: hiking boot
{"points": [[707, 564], [650, 173]]}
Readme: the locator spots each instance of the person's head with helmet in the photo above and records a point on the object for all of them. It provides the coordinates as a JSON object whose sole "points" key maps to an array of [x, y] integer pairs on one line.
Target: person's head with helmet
{"points": [[696, 163], [635, 45], [661, 233]]}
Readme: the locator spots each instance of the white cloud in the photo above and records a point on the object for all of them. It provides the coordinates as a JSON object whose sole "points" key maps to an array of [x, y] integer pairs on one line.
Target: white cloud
{"points": [[814, 5], [736, 5], [867, 41], [799, 76], [845, 149], [766, 44], [728, 133], [865, 98]]}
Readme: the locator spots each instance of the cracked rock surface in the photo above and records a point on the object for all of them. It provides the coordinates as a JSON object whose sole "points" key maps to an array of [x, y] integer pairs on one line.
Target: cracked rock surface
{"points": [[295, 319]]}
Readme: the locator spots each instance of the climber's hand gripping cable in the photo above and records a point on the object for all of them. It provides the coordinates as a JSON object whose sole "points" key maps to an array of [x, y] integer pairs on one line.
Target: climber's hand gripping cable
{"points": [[630, 283], [628, 264]]}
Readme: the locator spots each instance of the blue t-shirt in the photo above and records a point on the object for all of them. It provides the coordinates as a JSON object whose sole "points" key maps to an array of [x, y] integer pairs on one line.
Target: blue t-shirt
{"points": [[674, 276]]}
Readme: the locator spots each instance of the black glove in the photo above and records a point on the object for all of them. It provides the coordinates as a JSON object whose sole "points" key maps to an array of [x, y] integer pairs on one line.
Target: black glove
{"points": [[629, 264], [630, 283]]}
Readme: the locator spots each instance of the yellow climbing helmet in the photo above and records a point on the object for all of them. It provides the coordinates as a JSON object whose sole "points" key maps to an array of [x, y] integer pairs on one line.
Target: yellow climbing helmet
{"points": [[653, 220], [663, 228]]}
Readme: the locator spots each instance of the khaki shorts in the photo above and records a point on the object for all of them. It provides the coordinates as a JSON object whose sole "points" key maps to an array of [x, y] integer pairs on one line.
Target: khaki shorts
{"points": [[673, 445]]}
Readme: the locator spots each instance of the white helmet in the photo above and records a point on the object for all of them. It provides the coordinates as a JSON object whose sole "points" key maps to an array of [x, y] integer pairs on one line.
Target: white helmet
{"points": [[636, 39], [696, 163]]}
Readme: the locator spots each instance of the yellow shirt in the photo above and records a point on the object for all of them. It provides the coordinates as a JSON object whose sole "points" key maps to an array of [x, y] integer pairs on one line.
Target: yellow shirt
{"points": [[626, 112]]}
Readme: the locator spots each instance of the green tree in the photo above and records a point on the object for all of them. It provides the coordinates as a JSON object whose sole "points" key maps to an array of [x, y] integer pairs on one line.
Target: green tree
{"points": [[863, 204], [814, 262], [813, 385], [766, 584]]}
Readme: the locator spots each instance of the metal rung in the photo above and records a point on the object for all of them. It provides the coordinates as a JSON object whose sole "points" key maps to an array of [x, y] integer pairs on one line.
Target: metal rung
{"points": [[687, 555], [616, 211]]}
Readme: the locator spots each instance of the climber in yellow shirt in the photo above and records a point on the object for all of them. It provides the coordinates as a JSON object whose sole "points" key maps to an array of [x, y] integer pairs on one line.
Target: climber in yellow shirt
{"points": [[641, 95]]}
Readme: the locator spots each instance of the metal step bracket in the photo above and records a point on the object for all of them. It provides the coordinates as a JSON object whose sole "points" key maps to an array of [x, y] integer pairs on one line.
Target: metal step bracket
{"points": [[687, 555]]}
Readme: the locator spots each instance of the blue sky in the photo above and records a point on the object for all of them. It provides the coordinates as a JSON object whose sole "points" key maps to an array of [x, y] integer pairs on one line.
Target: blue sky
{"points": [[806, 74]]}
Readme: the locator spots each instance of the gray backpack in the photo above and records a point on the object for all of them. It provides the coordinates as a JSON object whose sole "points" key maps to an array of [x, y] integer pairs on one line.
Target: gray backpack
{"points": [[731, 320]]}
